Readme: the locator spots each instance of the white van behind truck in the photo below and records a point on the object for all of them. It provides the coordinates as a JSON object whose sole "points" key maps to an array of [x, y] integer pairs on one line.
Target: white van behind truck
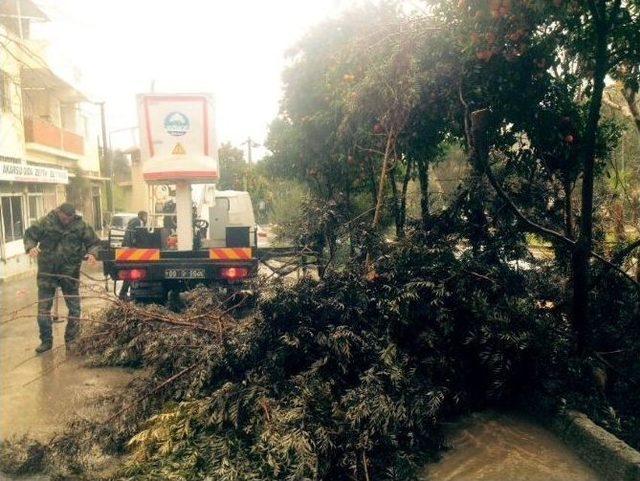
{"points": [[230, 208]]}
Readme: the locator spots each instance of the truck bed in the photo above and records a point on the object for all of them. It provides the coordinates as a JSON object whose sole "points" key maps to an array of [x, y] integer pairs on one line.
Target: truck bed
{"points": [[172, 265]]}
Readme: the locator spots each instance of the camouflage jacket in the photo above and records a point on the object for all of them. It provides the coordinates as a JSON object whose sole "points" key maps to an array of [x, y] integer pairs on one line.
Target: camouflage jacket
{"points": [[62, 247]]}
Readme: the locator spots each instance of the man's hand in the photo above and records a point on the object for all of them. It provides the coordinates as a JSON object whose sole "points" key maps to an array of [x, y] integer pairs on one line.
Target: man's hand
{"points": [[91, 259], [33, 252]]}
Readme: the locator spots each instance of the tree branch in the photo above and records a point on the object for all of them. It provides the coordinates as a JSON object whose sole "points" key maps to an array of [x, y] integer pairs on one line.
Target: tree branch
{"points": [[620, 256], [610, 265], [478, 132], [478, 119], [518, 213], [556, 235]]}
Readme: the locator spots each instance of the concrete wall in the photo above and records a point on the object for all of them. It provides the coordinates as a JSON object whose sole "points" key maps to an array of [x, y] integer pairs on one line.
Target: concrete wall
{"points": [[89, 127]]}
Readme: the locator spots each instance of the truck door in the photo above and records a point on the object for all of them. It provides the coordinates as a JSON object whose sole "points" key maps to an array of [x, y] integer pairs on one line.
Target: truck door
{"points": [[219, 220]]}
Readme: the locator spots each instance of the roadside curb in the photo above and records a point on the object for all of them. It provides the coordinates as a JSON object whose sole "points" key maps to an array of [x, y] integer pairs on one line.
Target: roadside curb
{"points": [[611, 457]]}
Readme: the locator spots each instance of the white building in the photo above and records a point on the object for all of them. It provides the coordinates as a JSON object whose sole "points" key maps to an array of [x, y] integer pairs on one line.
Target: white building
{"points": [[49, 150]]}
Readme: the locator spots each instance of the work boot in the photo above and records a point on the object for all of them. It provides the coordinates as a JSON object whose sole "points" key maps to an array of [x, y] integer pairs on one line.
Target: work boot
{"points": [[44, 347]]}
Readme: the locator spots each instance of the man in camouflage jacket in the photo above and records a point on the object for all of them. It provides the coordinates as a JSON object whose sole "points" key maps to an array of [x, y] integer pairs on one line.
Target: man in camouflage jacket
{"points": [[60, 241]]}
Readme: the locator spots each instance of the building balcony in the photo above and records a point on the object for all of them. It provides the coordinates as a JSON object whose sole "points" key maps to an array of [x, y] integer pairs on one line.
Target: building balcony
{"points": [[43, 133]]}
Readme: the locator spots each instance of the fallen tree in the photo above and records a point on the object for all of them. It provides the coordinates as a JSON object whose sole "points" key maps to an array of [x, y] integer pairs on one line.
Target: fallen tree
{"points": [[344, 378]]}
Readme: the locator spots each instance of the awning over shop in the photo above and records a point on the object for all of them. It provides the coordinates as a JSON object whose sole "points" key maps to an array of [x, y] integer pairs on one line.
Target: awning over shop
{"points": [[12, 172]]}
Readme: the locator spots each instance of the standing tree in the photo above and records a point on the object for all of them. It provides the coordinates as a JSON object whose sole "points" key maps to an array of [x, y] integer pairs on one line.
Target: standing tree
{"points": [[541, 67]]}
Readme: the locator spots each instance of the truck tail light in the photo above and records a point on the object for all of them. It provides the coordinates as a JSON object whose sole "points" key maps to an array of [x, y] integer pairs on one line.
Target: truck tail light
{"points": [[132, 275], [233, 273]]}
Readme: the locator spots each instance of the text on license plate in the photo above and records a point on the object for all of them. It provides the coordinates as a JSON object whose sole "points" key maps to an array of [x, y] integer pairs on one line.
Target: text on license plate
{"points": [[185, 273]]}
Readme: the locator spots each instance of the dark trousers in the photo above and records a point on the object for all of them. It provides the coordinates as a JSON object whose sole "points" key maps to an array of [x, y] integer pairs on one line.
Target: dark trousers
{"points": [[46, 293], [124, 290]]}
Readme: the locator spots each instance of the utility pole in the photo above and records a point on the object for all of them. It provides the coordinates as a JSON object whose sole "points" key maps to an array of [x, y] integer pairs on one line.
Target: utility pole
{"points": [[106, 159], [250, 144], [19, 16]]}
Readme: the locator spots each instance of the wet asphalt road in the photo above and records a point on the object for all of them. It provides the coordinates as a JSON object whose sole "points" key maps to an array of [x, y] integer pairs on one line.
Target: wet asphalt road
{"points": [[39, 393]]}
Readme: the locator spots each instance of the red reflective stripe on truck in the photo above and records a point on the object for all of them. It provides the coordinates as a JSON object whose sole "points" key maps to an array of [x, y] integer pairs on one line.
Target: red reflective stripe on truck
{"points": [[230, 253], [133, 254]]}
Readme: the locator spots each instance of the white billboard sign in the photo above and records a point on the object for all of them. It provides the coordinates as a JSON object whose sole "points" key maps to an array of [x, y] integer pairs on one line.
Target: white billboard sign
{"points": [[176, 124], [31, 173]]}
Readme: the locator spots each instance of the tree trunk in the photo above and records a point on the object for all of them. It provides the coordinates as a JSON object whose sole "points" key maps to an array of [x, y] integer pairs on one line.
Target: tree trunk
{"points": [[423, 177], [371, 181], [383, 178], [568, 209], [580, 260], [403, 198], [478, 156], [396, 201], [369, 272], [630, 95]]}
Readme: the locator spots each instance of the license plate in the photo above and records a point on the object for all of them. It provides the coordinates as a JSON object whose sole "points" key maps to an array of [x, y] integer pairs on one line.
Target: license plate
{"points": [[184, 273]]}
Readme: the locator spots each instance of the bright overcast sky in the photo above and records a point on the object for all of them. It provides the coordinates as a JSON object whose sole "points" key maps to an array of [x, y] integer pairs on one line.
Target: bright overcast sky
{"points": [[232, 48]]}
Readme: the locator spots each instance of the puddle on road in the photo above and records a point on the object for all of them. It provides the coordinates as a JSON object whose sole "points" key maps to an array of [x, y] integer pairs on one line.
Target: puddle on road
{"points": [[40, 396], [501, 447]]}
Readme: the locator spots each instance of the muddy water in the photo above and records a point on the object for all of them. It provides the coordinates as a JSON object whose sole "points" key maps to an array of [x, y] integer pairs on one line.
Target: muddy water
{"points": [[39, 393], [501, 447]]}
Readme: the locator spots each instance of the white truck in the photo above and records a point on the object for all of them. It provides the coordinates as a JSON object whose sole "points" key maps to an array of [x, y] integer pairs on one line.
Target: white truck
{"points": [[211, 241]]}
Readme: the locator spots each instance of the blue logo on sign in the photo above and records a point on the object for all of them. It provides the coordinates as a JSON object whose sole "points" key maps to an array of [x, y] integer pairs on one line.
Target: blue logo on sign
{"points": [[176, 124]]}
